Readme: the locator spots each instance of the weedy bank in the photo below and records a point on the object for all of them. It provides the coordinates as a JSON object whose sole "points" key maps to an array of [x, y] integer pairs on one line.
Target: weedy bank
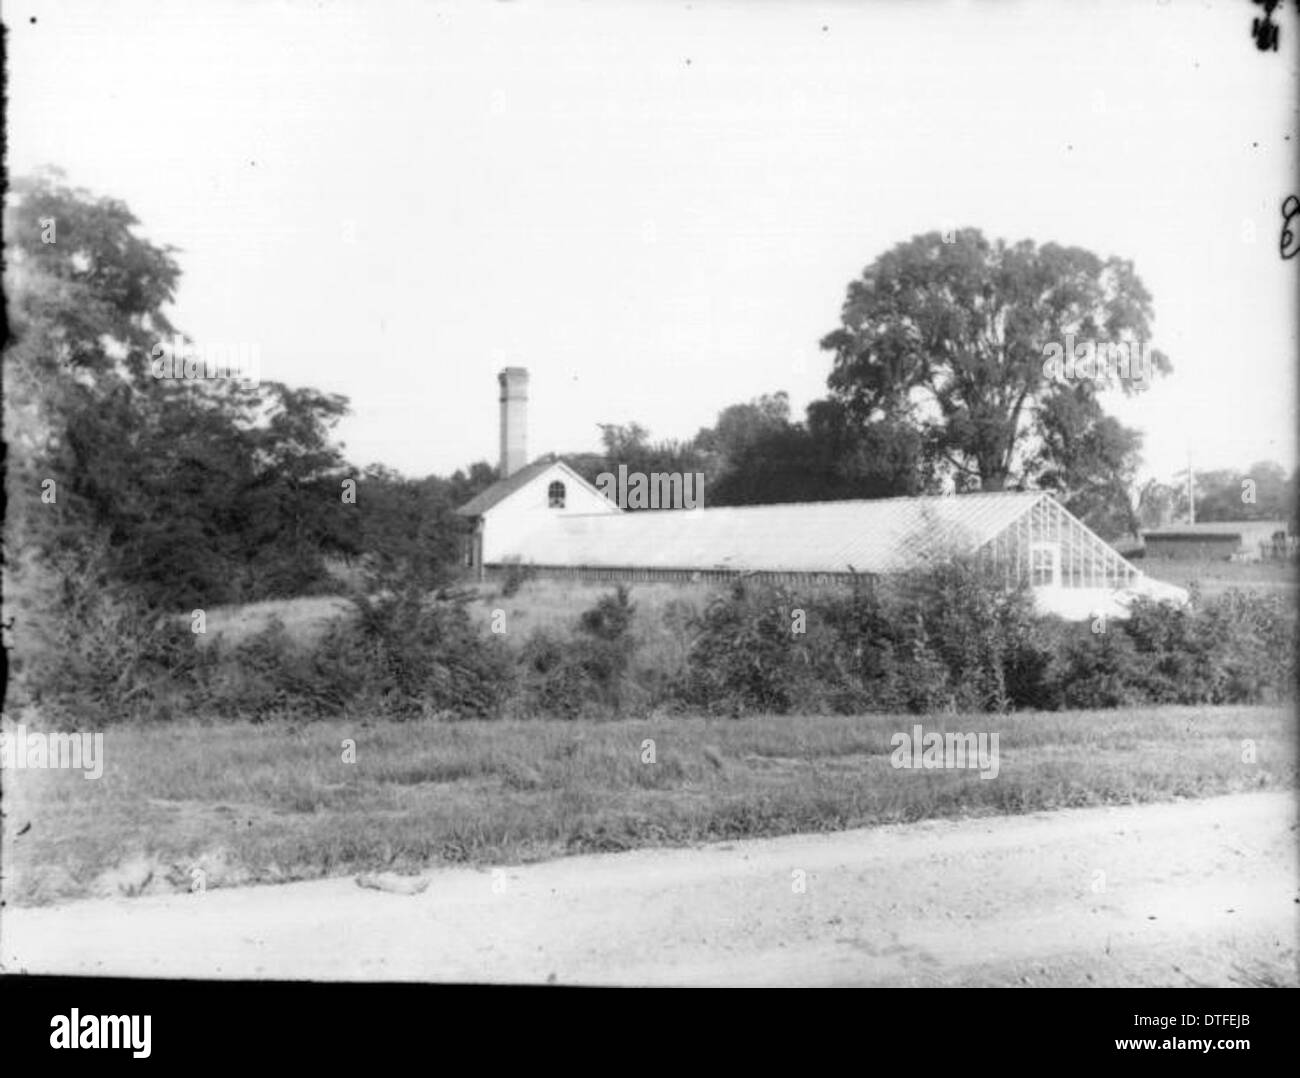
{"points": [[186, 805]]}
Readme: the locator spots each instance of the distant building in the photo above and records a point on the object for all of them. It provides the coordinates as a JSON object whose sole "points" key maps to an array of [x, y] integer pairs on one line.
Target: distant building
{"points": [[526, 494], [546, 516], [1240, 540]]}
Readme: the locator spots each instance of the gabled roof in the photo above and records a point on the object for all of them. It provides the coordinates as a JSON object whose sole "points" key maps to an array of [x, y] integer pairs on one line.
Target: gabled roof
{"points": [[503, 488], [879, 536]]}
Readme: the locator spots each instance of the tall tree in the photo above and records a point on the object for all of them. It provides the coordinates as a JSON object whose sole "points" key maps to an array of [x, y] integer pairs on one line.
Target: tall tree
{"points": [[1261, 492], [950, 340], [756, 455], [1090, 460], [197, 492], [410, 535], [466, 483], [628, 445], [880, 458]]}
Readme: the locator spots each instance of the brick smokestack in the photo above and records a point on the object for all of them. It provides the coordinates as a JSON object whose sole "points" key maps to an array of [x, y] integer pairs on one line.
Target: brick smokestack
{"points": [[514, 419]]}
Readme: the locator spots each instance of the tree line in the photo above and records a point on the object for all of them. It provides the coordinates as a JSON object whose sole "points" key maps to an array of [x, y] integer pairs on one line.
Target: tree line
{"points": [[198, 492]]}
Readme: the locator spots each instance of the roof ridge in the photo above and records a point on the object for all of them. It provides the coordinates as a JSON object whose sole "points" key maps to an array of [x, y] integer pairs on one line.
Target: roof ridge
{"points": [[504, 487], [861, 501]]}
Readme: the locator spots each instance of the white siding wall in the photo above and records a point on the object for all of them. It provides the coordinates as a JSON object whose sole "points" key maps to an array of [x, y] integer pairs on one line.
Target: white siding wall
{"points": [[528, 507], [1079, 604]]}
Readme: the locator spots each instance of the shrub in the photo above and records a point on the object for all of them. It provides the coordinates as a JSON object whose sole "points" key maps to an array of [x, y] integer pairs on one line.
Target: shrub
{"points": [[1032, 665], [745, 657], [611, 617], [517, 575], [1256, 637], [91, 652], [863, 664], [606, 644], [555, 684], [948, 636], [566, 677], [401, 655], [268, 676], [975, 625], [1176, 656], [1097, 670], [425, 655], [1237, 648]]}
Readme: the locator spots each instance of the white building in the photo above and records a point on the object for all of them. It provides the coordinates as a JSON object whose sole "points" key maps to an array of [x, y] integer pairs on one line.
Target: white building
{"points": [[527, 495], [546, 516]]}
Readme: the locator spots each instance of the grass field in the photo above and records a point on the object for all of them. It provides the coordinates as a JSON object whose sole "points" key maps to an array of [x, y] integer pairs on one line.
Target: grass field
{"points": [[245, 803], [305, 619], [539, 604], [1215, 577], [663, 608]]}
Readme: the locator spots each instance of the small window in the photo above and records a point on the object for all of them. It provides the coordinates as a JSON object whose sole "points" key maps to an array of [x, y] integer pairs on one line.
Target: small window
{"points": [[1044, 564], [555, 495]]}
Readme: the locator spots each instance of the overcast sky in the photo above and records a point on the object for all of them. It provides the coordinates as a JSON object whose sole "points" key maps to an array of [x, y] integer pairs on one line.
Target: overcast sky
{"points": [[656, 207]]}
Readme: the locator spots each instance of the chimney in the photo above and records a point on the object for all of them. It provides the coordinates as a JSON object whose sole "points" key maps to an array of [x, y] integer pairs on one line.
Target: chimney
{"points": [[514, 419]]}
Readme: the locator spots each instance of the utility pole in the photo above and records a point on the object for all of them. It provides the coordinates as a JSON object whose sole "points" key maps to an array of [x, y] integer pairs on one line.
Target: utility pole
{"points": [[1191, 491]]}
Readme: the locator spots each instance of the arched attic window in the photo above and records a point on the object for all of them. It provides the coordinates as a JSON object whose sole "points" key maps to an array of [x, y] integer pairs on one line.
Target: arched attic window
{"points": [[555, 495]]}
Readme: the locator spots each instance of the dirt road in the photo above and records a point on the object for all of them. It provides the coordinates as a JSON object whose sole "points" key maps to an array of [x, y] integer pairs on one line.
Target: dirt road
{"points": [[1192, 893]]}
